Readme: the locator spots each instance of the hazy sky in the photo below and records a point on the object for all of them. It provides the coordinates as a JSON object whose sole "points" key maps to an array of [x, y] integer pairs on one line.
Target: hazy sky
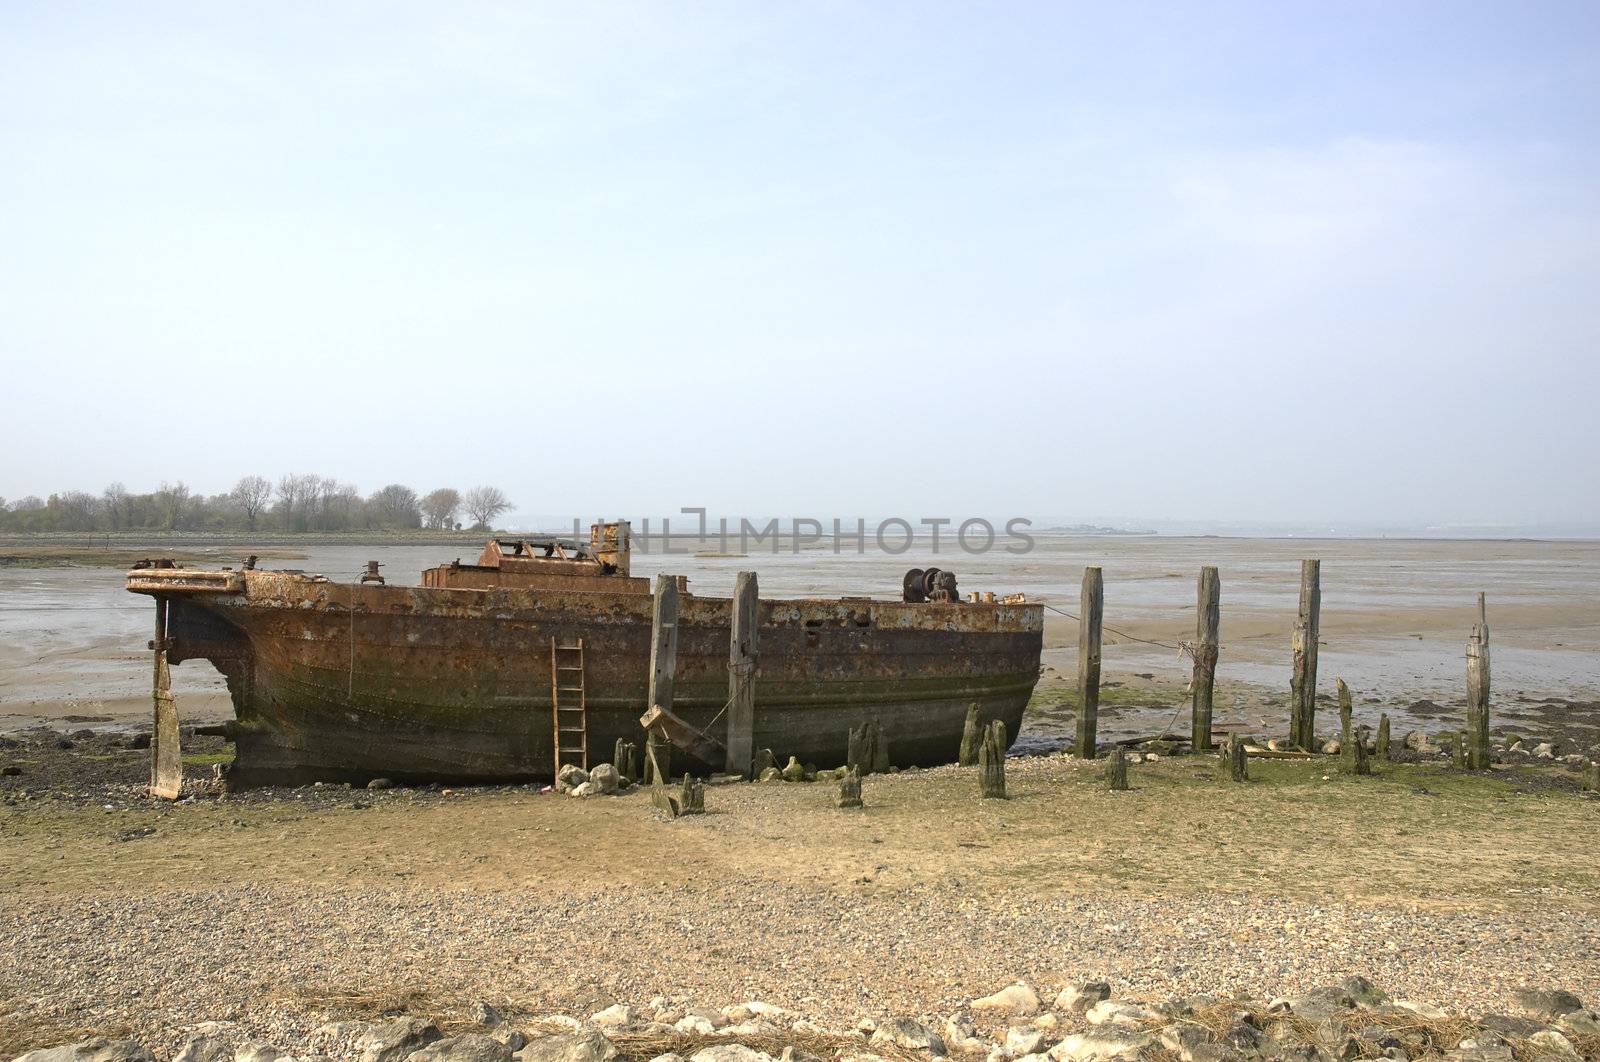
{"points": [[1276, 261]]}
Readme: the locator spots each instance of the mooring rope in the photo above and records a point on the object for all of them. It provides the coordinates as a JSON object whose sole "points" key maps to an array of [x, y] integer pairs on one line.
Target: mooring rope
{"points": [[1182, 648]]}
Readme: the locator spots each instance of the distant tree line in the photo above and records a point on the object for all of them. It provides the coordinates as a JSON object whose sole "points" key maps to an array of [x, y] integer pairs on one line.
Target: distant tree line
{"points": [[256, 503]]}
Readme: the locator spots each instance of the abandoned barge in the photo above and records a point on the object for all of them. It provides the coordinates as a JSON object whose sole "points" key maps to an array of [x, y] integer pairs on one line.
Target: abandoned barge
{"points": [[475, 675]]}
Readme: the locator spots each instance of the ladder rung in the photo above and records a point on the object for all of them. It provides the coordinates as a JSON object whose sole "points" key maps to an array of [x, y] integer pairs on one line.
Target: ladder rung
{"points": [[569, 667], [574, 729], [570, 689]]}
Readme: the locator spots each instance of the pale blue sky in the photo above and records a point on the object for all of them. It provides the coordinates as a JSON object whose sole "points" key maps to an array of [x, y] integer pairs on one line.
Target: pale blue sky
{"points": [[1241, 262]]}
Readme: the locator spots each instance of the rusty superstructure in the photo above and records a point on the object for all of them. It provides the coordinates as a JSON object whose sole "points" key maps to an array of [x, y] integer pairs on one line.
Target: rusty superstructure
{"points": [[468, 677]]}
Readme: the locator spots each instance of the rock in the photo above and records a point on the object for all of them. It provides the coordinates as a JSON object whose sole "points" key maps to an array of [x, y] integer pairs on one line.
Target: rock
{"points": [[568, 1047], [1579, 1023], [695, 1025], [1078, 998], [1018, 999], [1116, 1012], [467, 1047], [261, 1051], [1482, 1047], [1552, 1044], [1418, 741], [1544, 750], [794, 1054], [207, 1048], [618, 1016], [1363, 992], [793, 771], [771, 774], [98, 1049], [730, 1053], [393, 1041], [1512, 1028], [1545, 1003], [10, 770], [570, 777], [139, 741], [1100, 1044], [1421, 1010], [909, 1033], [605, 778], [484, 1014], [1331, 747], [1024, 1040], [381, 783], [583, 789], [671, 1056], [512, 1038]]}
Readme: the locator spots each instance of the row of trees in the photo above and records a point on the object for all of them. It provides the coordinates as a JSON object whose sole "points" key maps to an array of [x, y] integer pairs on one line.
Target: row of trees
{"points": [[292, 503]]}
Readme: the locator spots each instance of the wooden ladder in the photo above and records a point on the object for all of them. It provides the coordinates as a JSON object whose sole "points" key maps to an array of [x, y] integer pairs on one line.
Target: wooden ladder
{"points": [[570, 720]]}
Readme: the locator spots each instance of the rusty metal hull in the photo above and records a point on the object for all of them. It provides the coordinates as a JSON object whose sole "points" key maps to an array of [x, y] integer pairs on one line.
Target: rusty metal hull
{"points": [[338, 682]]}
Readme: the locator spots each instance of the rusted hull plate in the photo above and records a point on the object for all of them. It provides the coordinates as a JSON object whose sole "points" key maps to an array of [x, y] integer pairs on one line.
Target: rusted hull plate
{"points": [[344, 683]]}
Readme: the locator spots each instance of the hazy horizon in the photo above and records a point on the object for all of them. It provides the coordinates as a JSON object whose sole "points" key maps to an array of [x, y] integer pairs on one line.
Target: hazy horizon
{"points": [[1244, 265]]}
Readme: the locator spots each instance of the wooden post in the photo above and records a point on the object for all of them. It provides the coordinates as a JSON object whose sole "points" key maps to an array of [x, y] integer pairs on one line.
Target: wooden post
{"points": [[863, 753], [992, 761], [1478, 692], [880, 749], [1303, 683], [1207, 625], [1383, 736], [1091, 610], [692, 798], [742, 676], [1238, 759], [663, 671], [1347, 734], [849, 795], [971, 737], [1360, 764], [166, 756], [1118, 771], [1594, 777]]}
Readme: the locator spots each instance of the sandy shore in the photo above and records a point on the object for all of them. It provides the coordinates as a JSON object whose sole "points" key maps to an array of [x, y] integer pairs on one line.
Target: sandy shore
{"points": [[277, 910]]}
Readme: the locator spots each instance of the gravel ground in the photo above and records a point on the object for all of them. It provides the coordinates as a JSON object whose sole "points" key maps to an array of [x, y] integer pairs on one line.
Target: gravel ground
{"points": [[279, 961]]}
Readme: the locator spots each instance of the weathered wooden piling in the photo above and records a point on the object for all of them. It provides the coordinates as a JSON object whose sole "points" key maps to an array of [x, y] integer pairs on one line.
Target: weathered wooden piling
{"points": [[880, 750], [1593, 776], [1117, 771], [849, 795], [1383, 736], [1207, 628], [1347, 754], [626, 760], [663, 673], [1091, 611], [1361, 764], [1303, 683], [692, 796], [1477, 755], [761, 761], [971, 737], [992, 761], [862, 748], [1238, 759], [742, 648]]}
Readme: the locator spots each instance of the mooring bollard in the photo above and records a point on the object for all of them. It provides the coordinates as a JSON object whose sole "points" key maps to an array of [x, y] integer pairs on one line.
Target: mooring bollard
{"points": [[1383, 736], [971, 738], [849, 795], [992, 761], [1117, 772]]}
